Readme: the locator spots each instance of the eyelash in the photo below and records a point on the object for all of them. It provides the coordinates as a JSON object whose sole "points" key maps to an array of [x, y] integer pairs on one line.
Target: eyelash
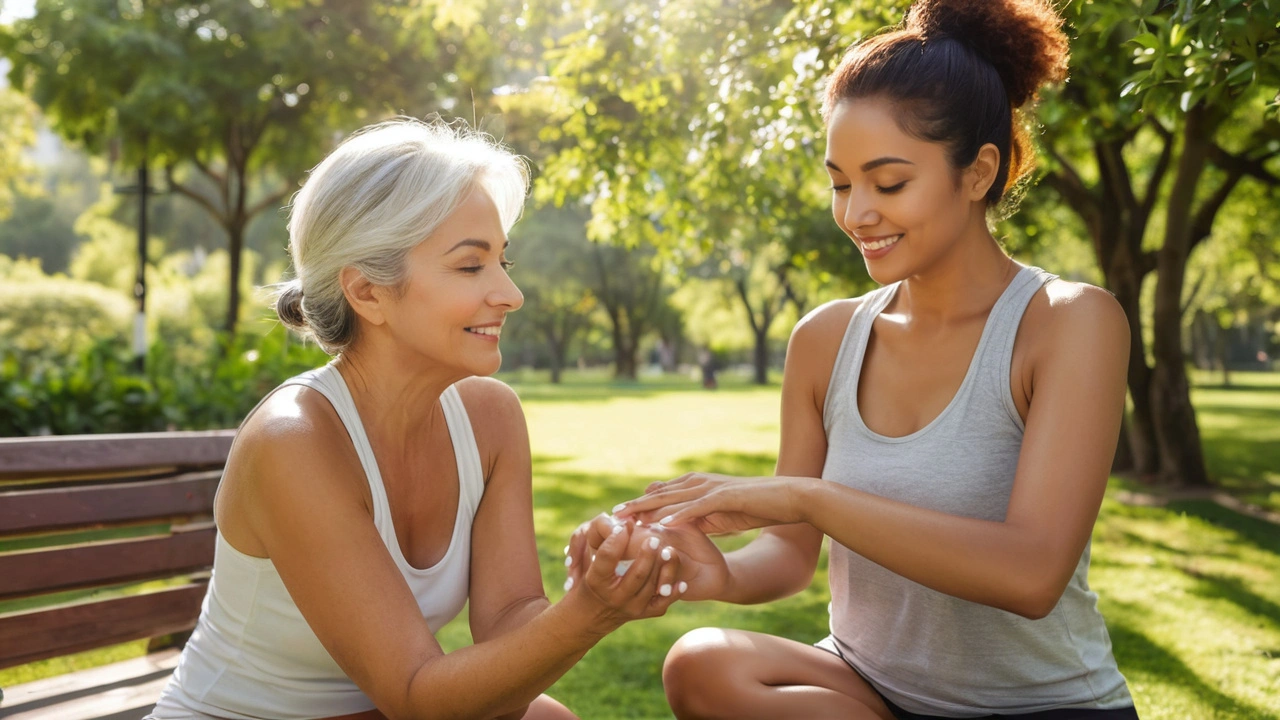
{"points": [[475, 269], [882, 190]]}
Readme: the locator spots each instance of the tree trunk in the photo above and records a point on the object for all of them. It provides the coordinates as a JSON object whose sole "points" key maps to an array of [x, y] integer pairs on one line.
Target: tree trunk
{"points": [[1178, 437], [1125, 281], [235, 247], [762, 356], [557, 357]]}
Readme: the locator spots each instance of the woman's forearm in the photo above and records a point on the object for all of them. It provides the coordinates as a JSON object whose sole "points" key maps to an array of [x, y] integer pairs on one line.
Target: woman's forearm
{"points": [[773, 566], [999, 564]]}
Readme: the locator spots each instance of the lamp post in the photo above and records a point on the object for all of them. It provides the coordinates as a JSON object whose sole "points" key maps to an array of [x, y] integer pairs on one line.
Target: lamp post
{"points": [[142, 190]]}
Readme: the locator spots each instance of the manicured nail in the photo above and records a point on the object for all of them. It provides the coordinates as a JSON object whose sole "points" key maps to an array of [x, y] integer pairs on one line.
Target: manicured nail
{"points": [[568, 585], [568, 562], [619, 507], [666, 520], [665, 590], [617, 529], [666, 553], [682, 587], [623, 567], [639, 523], [566, 549], [593, 557], [653, 543]]}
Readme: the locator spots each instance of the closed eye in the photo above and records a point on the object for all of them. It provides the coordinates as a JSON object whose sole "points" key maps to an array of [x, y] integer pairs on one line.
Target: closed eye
{"points": [[891, 189], [840, 188]]}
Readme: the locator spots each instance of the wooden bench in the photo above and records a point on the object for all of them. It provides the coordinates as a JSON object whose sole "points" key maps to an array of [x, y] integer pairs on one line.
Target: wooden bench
{"points": [[104, 539]]}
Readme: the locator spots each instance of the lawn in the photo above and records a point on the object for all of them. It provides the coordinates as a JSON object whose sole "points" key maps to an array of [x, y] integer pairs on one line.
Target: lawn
{"points": [[1190, 591]]}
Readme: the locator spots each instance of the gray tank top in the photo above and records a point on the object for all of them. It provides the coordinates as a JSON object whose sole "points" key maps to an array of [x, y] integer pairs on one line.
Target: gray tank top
{"points": [[929, 652]]}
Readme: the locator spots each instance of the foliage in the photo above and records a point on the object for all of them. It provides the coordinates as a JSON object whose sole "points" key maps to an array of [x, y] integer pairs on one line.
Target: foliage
{"points": [[17, 133], [100, 391], [45, 320]]}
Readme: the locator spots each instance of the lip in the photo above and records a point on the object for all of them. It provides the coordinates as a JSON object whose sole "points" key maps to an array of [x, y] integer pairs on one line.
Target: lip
{"points": [[482, 336], [869, 254]]}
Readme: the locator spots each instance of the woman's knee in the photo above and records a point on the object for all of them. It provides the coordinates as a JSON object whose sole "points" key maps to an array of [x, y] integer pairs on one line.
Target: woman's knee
{"points": [[703, 673]]}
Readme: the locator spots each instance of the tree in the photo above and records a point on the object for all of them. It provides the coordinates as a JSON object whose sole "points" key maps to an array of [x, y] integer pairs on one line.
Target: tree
{"points": [[17, 133], [699, 126], [554, 270], [1168, 109], [235, 91]]}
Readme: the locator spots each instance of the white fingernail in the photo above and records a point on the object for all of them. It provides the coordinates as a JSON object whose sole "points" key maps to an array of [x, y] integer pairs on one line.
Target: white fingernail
{"points": [[617, 529], [568, 585], [639, 523], [666, 553], [666, 519], [623, 566], [568, 562], [665, 590], [593, 557], [566, 549], [682, 587], [653, 543], [619, 507]]}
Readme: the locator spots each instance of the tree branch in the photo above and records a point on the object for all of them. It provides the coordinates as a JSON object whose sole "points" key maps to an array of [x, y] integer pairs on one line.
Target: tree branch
{"points": [[1158, 172], [267, 202], [1202, 222], [199, 199], [1253, 167]]}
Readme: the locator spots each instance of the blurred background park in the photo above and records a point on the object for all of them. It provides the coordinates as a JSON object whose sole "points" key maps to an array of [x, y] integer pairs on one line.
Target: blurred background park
{"points": [[678, 226]]}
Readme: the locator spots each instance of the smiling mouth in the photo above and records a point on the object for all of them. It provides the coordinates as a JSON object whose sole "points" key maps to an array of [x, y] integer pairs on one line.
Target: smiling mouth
{"points": [[882, 243], [493, 330]]}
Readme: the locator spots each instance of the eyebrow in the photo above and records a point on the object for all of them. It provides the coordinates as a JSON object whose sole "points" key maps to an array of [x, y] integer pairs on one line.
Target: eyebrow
{"points": [[482, 244], [873, 164]]}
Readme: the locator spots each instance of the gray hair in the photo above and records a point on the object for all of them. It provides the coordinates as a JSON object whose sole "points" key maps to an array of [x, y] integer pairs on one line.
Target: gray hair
{"points": [[383, 191]]}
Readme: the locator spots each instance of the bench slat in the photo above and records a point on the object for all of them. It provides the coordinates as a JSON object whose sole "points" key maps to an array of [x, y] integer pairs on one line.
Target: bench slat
{"points": [[24, 511], [40, 634], [100, 453], [33, 572]]}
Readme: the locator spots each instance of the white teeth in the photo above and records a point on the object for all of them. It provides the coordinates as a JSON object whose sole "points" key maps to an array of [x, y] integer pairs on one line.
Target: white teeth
{"points": [[881, 244], [494, 331]]}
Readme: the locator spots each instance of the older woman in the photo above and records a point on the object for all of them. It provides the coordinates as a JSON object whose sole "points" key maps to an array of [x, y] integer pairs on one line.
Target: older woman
{"points": [[365, 502]]}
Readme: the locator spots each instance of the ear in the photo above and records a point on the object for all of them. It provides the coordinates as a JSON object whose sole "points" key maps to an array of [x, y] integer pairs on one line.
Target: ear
{"points": [[367, 299], [980, 175]]}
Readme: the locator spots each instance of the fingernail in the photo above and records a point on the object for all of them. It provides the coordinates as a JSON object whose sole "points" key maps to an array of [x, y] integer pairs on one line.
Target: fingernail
{"points": [[623, 566], [653, 543], [666, 519], [682, 587], [568, 585], [566, 549], [593, 557], [665, 590], [617, 529], [619, 507], [568, 562], [666, 553], [639, 523]]}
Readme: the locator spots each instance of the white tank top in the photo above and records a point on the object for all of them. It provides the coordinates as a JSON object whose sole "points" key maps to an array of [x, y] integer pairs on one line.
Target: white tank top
{"points": [[253, 656]]}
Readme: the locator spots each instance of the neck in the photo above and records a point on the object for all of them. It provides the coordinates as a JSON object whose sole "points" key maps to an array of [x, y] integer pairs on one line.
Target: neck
{"points": [[964, 282], [396, 396]]}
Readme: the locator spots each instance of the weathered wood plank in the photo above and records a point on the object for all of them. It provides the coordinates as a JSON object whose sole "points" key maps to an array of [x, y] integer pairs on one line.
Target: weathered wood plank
{"points": [[32, 572], [91, 453], [23, 511], [107, 691], [39, 634]]}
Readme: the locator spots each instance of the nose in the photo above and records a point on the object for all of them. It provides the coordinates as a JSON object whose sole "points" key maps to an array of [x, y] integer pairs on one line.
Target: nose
{"points": [[506, 294], [859, 210]]}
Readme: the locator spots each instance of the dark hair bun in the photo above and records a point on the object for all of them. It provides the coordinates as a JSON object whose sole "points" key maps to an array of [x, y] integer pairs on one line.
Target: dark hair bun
{"points": [[289, 306], [1022, 39]]}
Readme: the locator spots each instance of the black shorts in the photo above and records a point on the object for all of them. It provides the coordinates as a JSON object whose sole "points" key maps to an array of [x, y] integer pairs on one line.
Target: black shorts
{"points": [[1127, 713]]}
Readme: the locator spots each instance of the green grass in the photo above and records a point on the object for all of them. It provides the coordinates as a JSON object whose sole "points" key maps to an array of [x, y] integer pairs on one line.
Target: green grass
{"points": [[1189, 591], [1240, 430]]}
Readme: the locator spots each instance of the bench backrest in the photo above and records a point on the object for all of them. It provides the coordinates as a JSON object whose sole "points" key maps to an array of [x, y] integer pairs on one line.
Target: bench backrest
{"points": [[104, 539]]}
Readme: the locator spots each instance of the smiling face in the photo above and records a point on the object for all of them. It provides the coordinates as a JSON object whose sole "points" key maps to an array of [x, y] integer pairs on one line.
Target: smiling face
{"points": [[456, 293], [897, 197]]}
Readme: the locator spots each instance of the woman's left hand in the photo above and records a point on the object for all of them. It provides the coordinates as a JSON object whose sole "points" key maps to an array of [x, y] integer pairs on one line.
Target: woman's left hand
{"points": [[719, 504]]}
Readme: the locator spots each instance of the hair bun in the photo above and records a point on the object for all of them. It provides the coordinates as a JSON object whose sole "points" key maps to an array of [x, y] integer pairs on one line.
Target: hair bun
{"points": [[1022, 39], [289, 305]]}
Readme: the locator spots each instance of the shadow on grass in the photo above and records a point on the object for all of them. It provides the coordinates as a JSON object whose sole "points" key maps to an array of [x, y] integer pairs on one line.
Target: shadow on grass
{"points": [[1233, 590], [729, 463], [1264, 535], [571, 391], [1137, 654]]}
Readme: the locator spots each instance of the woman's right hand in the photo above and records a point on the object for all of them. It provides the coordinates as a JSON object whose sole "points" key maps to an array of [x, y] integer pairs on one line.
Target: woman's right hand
{"points": [[703, 573], [645, 587]]}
